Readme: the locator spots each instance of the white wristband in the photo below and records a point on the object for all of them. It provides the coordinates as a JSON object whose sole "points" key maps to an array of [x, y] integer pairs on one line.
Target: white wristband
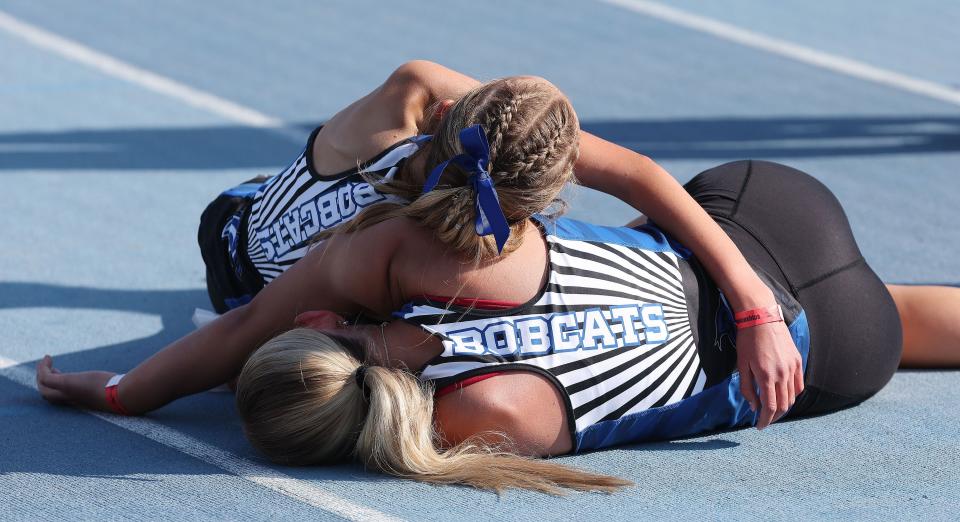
{"points": [[115, 380]]}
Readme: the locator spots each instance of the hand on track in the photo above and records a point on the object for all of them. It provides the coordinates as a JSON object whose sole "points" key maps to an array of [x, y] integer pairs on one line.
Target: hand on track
{"points": [[83, 389]]}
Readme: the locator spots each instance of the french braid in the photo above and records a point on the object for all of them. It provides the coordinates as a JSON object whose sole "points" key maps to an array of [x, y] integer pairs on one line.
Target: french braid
{"points": [[533, 134]]}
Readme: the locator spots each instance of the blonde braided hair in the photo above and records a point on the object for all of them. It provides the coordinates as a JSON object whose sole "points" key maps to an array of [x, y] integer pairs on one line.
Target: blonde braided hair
{"points": [[533, 134]]}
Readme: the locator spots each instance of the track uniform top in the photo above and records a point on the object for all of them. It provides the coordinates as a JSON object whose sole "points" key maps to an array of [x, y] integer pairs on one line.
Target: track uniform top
{"points": [[288, 209], [628, 327]]}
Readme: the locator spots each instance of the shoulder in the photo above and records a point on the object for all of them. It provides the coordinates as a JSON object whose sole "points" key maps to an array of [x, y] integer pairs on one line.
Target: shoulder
{"points": [[524, 406], [375, 263], [378, 241], [415, 86], [409, 90]]}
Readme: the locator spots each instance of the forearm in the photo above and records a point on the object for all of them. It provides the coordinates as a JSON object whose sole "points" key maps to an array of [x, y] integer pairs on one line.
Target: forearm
{"points": [[643, 184], [673, 210], [197, 362]]}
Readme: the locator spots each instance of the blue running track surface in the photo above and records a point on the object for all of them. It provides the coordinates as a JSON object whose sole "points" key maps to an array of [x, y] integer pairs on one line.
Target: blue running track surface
{"points": [[120, 120]]}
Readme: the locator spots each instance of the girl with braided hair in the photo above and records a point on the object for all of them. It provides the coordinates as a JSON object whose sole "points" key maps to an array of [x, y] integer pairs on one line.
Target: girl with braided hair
{"points": [[571, 337]]}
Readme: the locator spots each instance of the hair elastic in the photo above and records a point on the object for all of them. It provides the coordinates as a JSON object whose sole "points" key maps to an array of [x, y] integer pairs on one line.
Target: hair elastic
{"points": [[113, 398], [475, 160], [758, 316], [360, 377]]}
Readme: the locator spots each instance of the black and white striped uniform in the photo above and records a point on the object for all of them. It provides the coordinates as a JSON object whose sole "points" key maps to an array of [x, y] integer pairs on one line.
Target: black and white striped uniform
{"points": [[288, 209], [627, 327]]}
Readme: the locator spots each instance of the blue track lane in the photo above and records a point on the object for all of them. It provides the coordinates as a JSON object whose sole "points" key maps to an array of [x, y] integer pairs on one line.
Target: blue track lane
{"points": [[104, 182]]}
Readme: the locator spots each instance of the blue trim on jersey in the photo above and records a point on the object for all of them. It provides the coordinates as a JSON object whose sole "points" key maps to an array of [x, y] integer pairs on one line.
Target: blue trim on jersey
{"points": [[648, 237], [721, 406], [405, 310], [236, 302], [243, 190]]}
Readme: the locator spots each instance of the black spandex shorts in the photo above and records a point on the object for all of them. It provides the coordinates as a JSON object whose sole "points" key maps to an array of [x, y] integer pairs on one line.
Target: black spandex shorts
{"points": [[226, 288], [790, 225]]}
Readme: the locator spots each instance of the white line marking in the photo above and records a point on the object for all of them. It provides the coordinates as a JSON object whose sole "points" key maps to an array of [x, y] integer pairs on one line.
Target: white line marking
{"points": [[796, 52], [243, 468], [144, 78]]}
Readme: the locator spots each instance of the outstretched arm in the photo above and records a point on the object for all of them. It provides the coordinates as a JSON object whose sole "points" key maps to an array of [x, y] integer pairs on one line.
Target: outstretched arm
{"points": [[215, 353], [645, 185], [347, 273], [197, 362]]}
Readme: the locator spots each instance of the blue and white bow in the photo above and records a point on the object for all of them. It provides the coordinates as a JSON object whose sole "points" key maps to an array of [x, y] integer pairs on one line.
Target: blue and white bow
{"points": [[475, 159]]}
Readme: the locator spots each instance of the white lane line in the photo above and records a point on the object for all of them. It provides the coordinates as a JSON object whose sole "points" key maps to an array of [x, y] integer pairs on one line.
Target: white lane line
{"points": [[790, 50], [111, 66], [243, 468]]}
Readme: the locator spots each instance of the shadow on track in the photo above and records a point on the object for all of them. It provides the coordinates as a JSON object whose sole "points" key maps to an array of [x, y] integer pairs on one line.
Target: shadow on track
{"points": [[199, 148], [789, 137], [78, 445], [174, 307], [687, 445]]}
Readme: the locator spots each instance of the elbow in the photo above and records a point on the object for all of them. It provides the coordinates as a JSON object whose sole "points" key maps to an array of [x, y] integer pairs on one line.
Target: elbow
{"points": [[643, 160], [412, 73], [410, 82]]}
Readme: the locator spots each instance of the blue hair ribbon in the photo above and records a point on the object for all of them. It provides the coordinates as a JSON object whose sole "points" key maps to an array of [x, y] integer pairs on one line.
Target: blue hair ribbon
{"points": [[475, 159]]}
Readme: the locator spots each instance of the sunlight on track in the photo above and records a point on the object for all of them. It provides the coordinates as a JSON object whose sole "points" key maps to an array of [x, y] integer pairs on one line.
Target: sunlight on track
{"points": [[149, 80], [242, 468], [790, 50]]}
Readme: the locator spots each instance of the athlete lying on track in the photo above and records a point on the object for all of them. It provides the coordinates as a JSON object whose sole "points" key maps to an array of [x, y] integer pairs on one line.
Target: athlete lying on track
{"points": [[481, 331]]}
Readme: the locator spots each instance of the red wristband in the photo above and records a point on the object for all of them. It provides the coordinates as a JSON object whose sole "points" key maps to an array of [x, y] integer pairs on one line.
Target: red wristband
{"points": [[758, 316], [113, 398]]}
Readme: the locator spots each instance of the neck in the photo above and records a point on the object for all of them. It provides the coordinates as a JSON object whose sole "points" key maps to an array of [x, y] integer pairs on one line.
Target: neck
{"points": [[407, 346]]}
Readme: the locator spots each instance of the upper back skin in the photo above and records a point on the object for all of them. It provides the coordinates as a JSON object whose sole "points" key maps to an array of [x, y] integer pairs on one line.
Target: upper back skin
{"points": [[424, 266]]}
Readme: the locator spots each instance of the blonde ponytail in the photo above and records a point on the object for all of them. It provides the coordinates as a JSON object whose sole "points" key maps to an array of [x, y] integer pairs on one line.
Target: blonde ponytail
{"points": [[300, 405]]}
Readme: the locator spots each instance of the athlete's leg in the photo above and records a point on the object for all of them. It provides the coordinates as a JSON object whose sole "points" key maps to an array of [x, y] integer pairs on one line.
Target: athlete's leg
{"points": [[930, 316]]}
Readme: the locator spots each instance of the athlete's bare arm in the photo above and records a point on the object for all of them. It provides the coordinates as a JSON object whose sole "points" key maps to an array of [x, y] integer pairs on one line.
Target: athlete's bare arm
{"points": [[215, 353], [347, 273]]}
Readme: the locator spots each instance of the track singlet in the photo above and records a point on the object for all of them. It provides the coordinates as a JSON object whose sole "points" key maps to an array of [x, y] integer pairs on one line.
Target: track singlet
{"points": [[290, 208], [616, 328]]}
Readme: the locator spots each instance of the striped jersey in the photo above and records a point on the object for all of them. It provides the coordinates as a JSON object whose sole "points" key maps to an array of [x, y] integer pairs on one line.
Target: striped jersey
{"points": [[628, 327], [288, 209]]}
